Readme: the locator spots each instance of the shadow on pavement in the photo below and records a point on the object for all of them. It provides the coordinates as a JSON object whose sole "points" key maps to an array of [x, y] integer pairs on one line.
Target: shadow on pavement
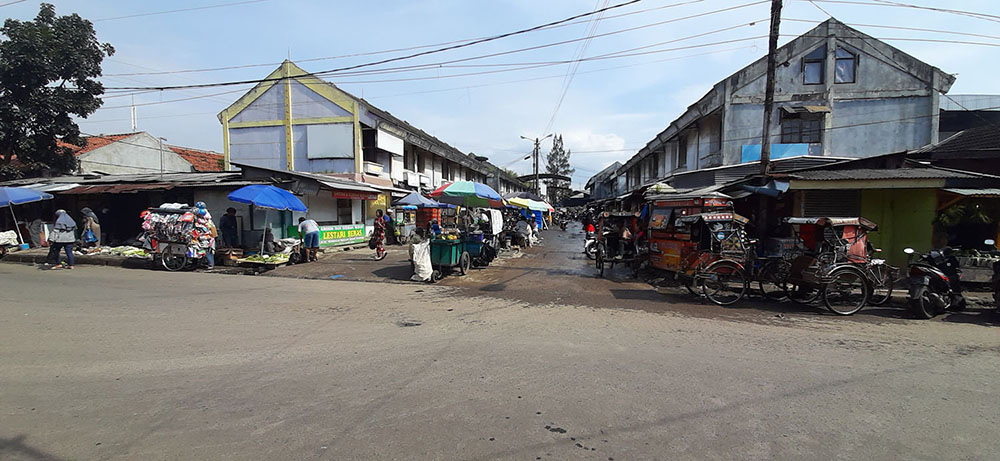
{"points": [[15, 448]]}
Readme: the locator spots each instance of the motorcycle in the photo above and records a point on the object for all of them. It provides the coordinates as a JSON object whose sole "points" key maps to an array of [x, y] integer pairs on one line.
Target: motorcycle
{"points": [[590, 245], [935, 283], [995, 282]]}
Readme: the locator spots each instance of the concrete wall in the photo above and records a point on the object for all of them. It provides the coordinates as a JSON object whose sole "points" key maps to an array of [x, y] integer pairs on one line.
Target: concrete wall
{"points": [[136, 154], [865, 134], [258, 146], [904, 217]]}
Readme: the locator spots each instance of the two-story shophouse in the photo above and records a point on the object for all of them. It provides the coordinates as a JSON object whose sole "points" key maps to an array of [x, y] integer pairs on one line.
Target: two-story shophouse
{"points": [[839, 93], [346, 156]]}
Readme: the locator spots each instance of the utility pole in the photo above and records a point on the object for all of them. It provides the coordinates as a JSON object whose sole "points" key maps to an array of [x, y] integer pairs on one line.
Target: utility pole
{"points": [[161, 157], [538, 141], [772, 46]]}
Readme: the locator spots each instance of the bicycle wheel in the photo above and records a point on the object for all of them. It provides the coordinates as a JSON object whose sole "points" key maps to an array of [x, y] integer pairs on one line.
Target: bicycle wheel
{"points": [[173, 260], [771, 279], [847, 291], [599, 260], [882, 278], [723, 282]]}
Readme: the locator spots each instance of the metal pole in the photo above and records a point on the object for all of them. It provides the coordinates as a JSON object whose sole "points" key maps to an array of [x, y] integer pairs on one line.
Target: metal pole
{"points": [[18, 229], [772, 46], [264, 236], [538, 190], [161, 159]]}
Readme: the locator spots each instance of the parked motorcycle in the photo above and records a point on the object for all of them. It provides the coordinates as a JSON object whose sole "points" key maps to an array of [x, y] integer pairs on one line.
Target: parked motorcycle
{"points": [[935, 283], [995, 282]]}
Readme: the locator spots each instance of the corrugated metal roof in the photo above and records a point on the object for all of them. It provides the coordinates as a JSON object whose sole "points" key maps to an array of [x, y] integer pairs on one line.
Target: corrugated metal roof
{"points": [[990, 192], [898, 173]]}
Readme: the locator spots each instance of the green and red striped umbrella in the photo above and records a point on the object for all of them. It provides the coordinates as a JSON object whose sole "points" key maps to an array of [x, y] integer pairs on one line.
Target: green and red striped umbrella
{"points": [[468, 194]]}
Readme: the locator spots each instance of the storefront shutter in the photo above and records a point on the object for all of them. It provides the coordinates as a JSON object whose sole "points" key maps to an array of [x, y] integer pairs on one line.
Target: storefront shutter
{"points": [[835, 203]]}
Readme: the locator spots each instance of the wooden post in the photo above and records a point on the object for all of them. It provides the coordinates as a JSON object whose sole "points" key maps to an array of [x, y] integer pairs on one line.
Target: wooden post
{"points": [[772, 46]]}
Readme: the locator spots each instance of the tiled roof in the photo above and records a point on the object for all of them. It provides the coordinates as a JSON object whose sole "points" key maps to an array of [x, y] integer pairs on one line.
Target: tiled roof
{"points": [[200, 160], [93, 142]]}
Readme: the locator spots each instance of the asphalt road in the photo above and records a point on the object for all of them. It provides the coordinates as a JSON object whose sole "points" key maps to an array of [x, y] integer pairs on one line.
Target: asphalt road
{"points": [[105, 363]]}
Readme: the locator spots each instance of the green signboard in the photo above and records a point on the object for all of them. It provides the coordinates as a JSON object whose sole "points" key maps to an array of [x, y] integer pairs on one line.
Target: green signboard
{"points": [[331, 236]]}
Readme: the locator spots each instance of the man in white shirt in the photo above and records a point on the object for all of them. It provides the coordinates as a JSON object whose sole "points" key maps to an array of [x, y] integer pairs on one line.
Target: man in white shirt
{"points": [[309, 233]]}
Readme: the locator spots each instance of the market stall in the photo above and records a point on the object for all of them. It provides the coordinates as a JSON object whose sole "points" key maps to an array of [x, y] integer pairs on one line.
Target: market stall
{"points": [[458, 248], [10, 196], [269, 198]]}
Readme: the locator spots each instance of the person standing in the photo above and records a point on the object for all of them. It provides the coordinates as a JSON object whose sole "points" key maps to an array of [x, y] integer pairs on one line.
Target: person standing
{"points": [[92, 224], [390, 228], [62, 237], [379, 234], [228, 227], [309, 233]]}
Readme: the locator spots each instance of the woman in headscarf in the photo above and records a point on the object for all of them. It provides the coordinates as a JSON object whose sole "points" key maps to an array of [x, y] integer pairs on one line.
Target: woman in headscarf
{"points": [[91, 223], [63, 236]]}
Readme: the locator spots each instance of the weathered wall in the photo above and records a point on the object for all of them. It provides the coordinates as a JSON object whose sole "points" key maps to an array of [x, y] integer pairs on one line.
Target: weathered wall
{"points": [[133, 155], [258, 146], [904, 217], [866, 133]]}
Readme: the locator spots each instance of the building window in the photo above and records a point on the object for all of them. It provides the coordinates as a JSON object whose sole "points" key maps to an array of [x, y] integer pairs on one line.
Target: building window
{"points": [[655, 166], [421, 163], [814, 66], [846, 67], [682, 149], [801, 128]]}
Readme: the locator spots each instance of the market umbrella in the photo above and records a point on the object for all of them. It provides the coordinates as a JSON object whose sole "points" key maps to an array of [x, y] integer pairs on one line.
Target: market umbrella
{"points": [[269, 198], [11, 196], [468, 194], [529, 204], [417, 200], [523, 194]]}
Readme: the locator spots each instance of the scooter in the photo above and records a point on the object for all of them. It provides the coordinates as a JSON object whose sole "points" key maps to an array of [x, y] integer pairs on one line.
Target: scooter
{"points": [[935, 283], [590, 245]]}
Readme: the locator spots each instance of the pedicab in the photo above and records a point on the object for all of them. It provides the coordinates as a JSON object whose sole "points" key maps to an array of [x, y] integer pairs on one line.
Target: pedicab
{"points": [[614, 248], [833, 261], [697, 240]]}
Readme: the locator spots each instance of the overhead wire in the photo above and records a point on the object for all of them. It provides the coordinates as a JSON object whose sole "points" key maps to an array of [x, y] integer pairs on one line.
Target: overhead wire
{"points": [[571, 72], [180, 10], [405, 57], [397, 50]]}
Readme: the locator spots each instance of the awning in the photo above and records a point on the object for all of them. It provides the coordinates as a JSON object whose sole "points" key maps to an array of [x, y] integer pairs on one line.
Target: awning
{"points": [[43, 187], [975, 192], [803, 109], [349, 186]]}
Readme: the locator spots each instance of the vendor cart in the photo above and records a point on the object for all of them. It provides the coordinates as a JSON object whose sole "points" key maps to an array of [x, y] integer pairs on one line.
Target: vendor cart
{"points": [[177, 236], [450, 254]]}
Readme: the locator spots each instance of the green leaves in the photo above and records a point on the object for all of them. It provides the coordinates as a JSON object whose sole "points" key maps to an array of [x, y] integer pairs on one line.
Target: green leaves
{"points": [[48, 71]]}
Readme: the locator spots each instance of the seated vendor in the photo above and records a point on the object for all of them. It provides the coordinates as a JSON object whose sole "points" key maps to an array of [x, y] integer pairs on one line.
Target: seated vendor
{"points": [[435, 228]]}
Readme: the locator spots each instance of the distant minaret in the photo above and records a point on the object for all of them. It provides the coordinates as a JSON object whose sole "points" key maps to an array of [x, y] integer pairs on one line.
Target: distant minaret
{"points": [[134, 124]]}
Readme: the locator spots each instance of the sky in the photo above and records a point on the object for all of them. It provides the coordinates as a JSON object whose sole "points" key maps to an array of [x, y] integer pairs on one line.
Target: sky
{"points": [[606, 107]]}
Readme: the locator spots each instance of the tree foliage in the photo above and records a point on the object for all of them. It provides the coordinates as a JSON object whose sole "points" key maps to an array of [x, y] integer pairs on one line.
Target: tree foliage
{"points": [[48, 71], [557, 162]]}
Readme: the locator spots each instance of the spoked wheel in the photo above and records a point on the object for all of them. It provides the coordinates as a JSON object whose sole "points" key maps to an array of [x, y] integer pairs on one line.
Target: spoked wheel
{"points": [[724, 283], [771, 280], [464, 262], [172, 260], [882, 279], [847, 291], [802, 292], [599, 260]]}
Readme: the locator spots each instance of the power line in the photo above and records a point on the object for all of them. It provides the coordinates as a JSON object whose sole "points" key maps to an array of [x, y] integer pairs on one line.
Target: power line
{"points": [[401, 58], [914, 29], [153, 13], [393, 50], [11, 3], [973, 14], [571, 72]]}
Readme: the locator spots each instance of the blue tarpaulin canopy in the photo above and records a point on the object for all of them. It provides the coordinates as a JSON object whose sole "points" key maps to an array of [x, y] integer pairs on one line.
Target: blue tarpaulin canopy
{"points": [[19, 195], [265, 196], [10, 196]]}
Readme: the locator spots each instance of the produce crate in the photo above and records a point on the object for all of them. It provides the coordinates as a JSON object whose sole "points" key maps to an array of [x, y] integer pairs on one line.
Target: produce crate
{"points": [[228, 256], [446, 252]]}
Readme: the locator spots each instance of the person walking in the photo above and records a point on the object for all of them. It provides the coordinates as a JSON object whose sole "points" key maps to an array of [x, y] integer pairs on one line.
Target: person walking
{"points": [[92, 224], [379, 235], [309, 233], [62, 237]]}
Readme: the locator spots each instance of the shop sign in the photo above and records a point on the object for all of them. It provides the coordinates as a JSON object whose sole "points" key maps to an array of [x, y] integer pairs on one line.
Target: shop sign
{"points": [[354, 195], [347, 234]]}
